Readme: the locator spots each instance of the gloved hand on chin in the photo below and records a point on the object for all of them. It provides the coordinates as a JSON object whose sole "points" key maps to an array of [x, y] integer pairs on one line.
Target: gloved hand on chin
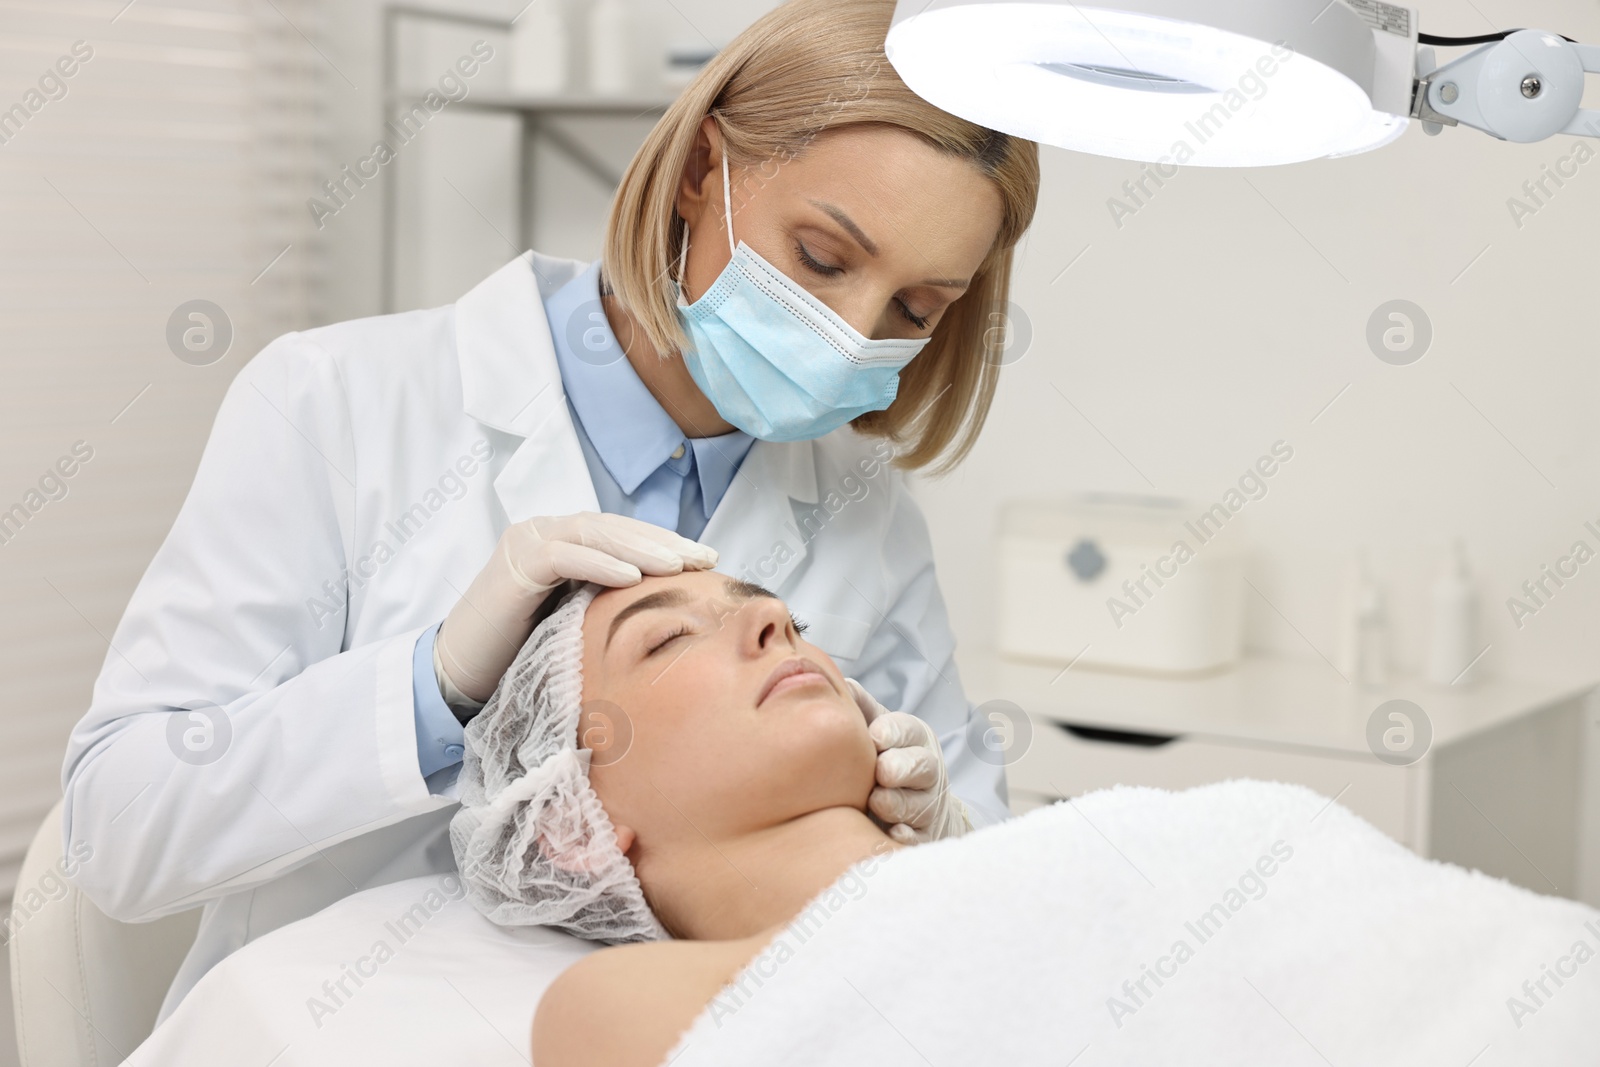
{"points": [[912, 795]]}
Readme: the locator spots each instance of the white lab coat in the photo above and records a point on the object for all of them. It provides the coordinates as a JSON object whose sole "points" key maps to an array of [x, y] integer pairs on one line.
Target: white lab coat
{"points": [[351, 457]]}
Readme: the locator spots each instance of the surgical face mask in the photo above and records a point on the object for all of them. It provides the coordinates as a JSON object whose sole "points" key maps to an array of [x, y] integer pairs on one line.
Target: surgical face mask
{"points": [[774, 360]]}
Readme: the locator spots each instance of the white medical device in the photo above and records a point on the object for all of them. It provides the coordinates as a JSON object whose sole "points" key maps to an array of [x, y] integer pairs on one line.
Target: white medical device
{"points": [[1230, 83], [1086, 581]]}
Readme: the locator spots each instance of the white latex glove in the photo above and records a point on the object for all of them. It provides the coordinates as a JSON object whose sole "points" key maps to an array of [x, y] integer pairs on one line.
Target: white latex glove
{"points": [[913, 792], [484, 631]]}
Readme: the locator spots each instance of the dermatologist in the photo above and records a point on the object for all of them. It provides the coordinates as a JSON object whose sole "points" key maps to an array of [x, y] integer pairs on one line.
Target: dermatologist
{"points": [[803, 281]]}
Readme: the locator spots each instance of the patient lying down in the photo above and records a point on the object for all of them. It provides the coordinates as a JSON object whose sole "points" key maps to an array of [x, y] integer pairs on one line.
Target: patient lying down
{"points": [[674, 764], [730, 765]]}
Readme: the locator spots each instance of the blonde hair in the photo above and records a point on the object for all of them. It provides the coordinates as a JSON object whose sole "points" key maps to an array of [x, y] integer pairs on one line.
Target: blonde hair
{"points": [[806, 67]]}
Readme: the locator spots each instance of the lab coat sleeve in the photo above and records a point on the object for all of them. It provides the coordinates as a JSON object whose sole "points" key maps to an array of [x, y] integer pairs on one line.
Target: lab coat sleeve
{"points": [[231, 736], [909, 664]]}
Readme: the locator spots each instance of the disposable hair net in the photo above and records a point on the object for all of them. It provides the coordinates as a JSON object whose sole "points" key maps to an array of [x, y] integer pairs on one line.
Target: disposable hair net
{"points": [[534, 846]]}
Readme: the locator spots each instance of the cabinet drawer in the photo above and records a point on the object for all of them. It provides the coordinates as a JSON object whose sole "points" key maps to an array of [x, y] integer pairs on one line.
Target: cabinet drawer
{"points": [[1058, 764]]}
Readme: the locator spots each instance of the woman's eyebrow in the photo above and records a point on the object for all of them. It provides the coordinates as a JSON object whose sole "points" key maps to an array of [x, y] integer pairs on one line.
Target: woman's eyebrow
{"points": [[740, 589], [664, 598], [838, 215], [848, 223]]}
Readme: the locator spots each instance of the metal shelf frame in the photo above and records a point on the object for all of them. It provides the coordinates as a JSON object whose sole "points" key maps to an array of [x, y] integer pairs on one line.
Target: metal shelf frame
{"points": [[535, 113]]}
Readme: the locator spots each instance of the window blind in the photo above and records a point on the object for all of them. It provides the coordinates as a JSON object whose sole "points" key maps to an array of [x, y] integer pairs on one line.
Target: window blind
{"points": [[152, 154]]}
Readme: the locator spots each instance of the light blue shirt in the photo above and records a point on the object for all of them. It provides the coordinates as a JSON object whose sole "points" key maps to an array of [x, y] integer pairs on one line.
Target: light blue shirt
{"points": [[640, 462], [441, 738]]}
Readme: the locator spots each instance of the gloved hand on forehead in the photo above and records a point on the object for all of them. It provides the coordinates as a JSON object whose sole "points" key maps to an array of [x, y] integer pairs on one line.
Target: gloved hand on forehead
{"points": [[481, 635], [912, 794]]}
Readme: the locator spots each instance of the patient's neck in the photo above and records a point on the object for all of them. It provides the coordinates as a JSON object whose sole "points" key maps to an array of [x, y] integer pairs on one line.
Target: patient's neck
{"points": [[742, 887]]}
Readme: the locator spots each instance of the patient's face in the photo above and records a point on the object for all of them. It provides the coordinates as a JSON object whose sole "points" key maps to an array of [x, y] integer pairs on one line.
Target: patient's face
{"points": [[736, 721]]}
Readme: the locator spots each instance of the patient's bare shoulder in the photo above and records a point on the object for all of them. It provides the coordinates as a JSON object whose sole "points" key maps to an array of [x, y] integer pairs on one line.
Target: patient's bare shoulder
{"points": [[626, 1006]]}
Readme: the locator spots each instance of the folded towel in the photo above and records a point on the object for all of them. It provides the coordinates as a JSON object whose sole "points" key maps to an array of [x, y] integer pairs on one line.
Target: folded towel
{"points": [[1233, 924]]}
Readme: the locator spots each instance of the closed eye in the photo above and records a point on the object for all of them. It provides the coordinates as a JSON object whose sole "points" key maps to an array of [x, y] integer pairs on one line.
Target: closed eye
{"points": [[817, 267], [916, 320], [673, 636]]}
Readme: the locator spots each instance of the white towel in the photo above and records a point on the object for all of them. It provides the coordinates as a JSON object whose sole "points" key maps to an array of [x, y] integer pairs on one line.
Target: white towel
{"points": [[1034, 943], [400, 975]]}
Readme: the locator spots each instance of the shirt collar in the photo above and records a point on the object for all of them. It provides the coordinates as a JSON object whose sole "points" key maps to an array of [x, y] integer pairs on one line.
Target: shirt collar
{"points": [[717, 460], [631, 432]]}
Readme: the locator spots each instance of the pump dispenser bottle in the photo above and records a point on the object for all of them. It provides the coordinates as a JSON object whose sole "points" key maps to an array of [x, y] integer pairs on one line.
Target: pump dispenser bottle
{"points": [[1453, 636], [1364, 648], [539, 49]]}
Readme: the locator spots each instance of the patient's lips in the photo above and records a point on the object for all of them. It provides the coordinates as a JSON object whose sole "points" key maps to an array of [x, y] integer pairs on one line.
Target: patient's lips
{"points": [[792, 674]]}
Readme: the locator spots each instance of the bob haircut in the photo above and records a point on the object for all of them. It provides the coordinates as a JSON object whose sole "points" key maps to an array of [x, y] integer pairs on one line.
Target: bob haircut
{"points": [[806, 67]]}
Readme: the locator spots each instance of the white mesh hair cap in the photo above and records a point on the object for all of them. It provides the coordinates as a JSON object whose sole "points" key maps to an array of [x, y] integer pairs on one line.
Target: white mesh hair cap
{"points": [[534, 846]]}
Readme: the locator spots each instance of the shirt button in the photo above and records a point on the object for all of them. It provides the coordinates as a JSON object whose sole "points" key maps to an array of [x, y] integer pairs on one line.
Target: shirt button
{"points": [[679, 453], [454, 751]]}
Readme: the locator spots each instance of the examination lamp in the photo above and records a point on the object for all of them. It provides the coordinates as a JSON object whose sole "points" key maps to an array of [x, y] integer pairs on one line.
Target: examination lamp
{"points": [[1230, 83]]}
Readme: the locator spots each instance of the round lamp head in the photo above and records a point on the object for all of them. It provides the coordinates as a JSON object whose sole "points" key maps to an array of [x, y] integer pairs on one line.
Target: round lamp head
{"points": [[1221, 83]]}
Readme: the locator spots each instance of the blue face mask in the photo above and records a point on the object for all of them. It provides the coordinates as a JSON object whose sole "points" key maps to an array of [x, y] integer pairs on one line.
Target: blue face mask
{"points": [[774, 360]]}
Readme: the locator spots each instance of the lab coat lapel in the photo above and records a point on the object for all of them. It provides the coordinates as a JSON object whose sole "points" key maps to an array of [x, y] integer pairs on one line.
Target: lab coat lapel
{"points": [[547, 474], [754, 529], [510, 381]]}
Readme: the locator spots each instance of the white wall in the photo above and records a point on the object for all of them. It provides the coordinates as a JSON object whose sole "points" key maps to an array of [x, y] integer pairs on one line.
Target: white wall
{"points": [[1232, 308]]}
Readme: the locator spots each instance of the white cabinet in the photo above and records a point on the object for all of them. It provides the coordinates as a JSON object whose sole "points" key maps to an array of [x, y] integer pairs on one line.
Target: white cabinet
{"points": [[1064, 761], [1500, 788]]}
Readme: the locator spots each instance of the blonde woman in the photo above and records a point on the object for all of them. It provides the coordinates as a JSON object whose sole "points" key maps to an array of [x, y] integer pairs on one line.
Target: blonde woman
{"points": [[802, 276]]}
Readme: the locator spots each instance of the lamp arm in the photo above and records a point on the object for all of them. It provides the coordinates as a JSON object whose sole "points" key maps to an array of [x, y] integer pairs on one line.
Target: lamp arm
{"points": [[1524, 88]]}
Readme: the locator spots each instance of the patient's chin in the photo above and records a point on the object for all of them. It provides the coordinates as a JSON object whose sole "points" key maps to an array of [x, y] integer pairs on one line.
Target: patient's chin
{"points": [[806, 697], [829, 713], [834, 736]]}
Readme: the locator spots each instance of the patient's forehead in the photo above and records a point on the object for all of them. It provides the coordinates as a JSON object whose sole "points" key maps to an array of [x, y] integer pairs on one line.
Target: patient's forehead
{"points": [[695, 583]]}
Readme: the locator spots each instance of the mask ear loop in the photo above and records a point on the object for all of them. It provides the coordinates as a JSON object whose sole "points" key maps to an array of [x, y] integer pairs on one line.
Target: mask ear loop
{"points": [[683, 254], [727, 201], [727, 215]]}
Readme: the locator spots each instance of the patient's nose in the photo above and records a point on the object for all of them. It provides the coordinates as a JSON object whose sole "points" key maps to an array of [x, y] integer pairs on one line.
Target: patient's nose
{"points": [[767, 624]]}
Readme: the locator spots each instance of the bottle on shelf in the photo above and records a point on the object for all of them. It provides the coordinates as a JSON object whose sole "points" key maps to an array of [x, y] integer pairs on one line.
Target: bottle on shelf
{"points": [[1364, 644], [539, 49], [610, 47], [1453, 637]]}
